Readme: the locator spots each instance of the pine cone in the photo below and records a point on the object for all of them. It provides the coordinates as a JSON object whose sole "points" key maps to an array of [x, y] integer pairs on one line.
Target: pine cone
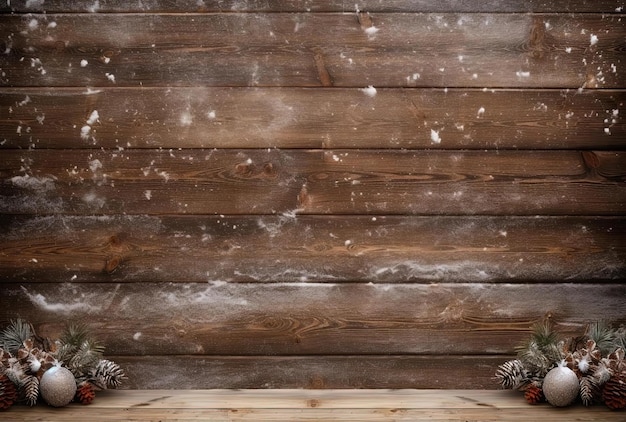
{"points": [[108, 374], [8, 392], [85, 393], [512, 374], [614, 392], [30, 389], [533, 394], [589, 390]]}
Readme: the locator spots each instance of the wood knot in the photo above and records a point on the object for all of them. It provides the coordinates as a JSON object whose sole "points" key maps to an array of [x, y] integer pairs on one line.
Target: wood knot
{"points": [[538, 44], [313, 403], [112, 264], [269, 170], [317, 382], [591, 159], [244, 169]]}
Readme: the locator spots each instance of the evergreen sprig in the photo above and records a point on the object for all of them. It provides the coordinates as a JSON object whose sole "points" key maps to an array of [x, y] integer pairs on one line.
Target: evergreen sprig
{"points": [[14, 336]]}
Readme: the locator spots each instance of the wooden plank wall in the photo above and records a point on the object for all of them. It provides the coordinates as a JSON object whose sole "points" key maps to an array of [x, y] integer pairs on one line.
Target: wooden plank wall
{"points": [[252, 194]]}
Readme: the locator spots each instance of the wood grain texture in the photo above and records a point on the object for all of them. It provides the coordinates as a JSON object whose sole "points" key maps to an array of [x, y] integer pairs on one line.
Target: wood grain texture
{"points": [[205, 117], [178, 6], [287, 248], [312, 405], [313, 182], [302, 318], [311, 372], [279, 49]]}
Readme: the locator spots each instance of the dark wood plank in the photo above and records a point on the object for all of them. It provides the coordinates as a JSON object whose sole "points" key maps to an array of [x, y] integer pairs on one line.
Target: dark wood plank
{"points": [[185, 372], [311, 318], [205, 117], [283, 49], [381, 249], [313, 182], [154, 6]]}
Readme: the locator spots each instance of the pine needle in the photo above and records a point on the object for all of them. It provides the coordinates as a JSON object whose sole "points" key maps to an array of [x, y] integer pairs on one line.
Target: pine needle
{"points": [[14, 336], [603, 335], [541, 352]]}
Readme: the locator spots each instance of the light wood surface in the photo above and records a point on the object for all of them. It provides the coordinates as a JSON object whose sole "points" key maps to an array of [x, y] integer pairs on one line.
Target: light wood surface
{"points": [[300, 405]]}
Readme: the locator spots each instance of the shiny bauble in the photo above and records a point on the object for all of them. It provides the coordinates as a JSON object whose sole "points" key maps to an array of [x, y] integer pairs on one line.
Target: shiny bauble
{"points": [[561, 386], [57, 386]]}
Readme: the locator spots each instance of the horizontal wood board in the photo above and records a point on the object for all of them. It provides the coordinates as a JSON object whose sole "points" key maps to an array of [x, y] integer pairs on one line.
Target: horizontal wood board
{"points": [[254, 194], [255, 6], [289, 405], [292, 247], [209, 117], [228, 181], [288, 49], [303, 318]]}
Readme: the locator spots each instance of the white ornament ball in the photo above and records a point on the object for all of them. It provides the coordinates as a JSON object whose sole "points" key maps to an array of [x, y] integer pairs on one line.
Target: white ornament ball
{"points": [[560, 386], [57, 386]]}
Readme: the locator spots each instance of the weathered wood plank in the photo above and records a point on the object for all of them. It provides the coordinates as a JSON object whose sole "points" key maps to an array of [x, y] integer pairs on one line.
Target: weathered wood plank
{"points": [[204, 117], [380, 249], [319, 372], [284, 49], [172, 6], [313, 405], [311, 318], [313, 182]]}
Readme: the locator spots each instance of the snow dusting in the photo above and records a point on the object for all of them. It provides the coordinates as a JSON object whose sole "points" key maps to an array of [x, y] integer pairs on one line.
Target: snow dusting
{"points": [[593, 39], [370, 91], [434, 136]]}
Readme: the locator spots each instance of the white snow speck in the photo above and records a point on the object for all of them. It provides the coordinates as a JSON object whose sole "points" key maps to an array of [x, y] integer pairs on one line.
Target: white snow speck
{"points": [[371, 31], [74, 277], [186, 119], [211, 114], [593, 39], [93, 118], [25, 101], [83, 63], [110, 77], [33, 24], [568, 50], [434, 136], [84, 132], [95, 165], [607, 131], [52, 25], [137, 336], [148, 194], [522, 74], [369, 91], [481, 111]]}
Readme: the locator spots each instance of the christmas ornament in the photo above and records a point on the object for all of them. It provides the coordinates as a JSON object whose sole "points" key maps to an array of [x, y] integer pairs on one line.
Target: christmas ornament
{"points": [[561, 386], [33, 367], [58, 386], [590, 367]]}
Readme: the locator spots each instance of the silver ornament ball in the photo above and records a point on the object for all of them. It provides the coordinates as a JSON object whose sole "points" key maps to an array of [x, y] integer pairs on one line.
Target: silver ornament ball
{"points": [[57, 386], [561, 386]]}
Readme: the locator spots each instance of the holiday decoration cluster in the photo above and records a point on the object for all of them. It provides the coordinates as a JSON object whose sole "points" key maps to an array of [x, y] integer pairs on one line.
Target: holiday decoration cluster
{"points": [[590, 368], [69, 369]]}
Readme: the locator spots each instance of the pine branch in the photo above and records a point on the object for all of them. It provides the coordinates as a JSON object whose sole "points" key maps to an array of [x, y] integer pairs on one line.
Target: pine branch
{"points": [[603, 335], [14, 336]]}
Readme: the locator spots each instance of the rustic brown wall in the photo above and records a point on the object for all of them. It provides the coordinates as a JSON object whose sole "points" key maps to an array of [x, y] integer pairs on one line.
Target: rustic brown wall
{"points": [[251, 194]]}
